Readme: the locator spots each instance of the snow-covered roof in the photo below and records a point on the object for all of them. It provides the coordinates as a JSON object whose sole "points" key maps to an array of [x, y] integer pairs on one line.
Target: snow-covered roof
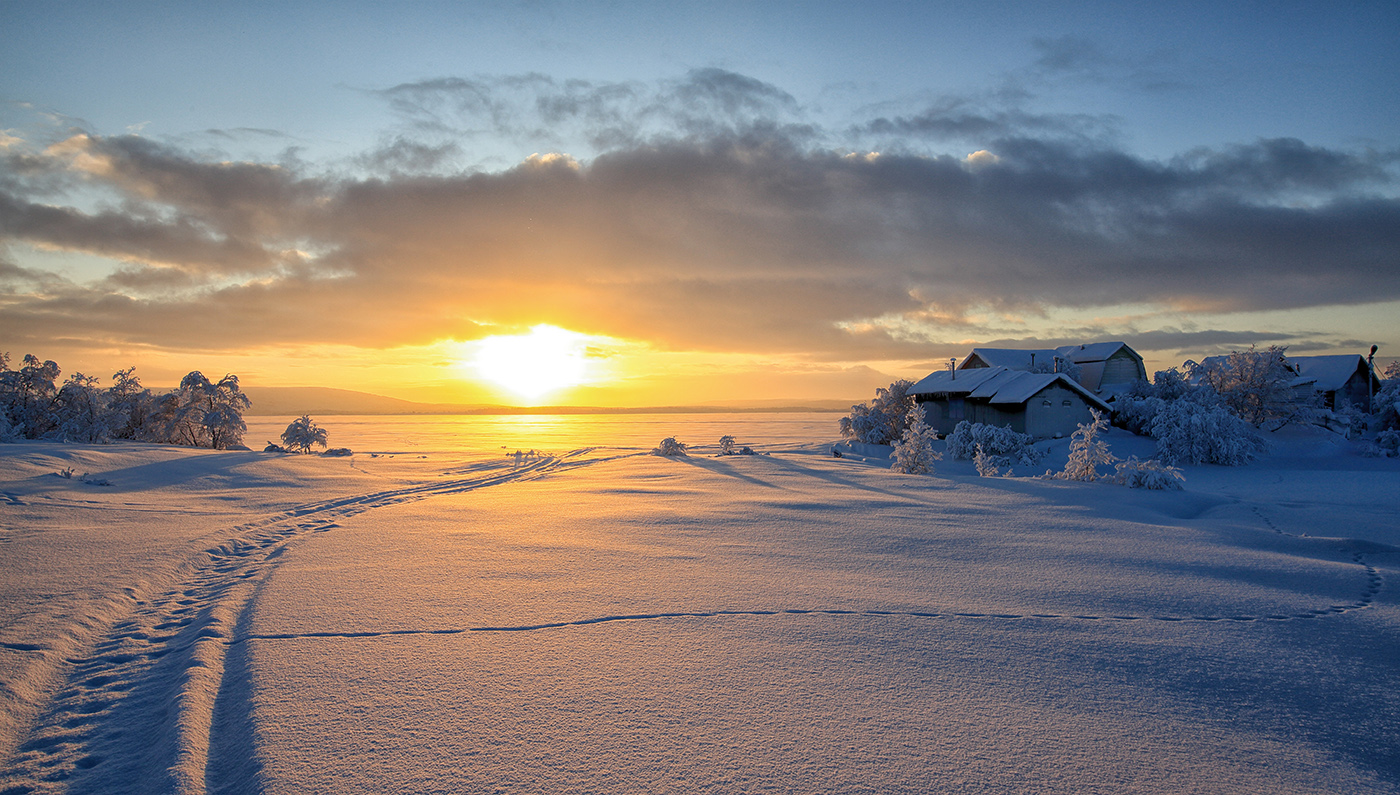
{"points": [[1000, 385], [1328, 373], [1092, 351], [1020, 358]]}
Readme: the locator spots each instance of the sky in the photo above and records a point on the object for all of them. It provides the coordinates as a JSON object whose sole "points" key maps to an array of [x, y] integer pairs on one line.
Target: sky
{"points": [[693, 202]]}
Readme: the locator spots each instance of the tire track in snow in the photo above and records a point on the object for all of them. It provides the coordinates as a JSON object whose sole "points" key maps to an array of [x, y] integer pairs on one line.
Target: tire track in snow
{"points": [[135, 714]]}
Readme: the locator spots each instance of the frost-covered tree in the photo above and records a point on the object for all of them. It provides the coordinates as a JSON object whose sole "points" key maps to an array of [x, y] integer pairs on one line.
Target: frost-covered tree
{"points": [[1255, 385], [302, 433], [1391, 371], [882, 420], [202, 413], [129, 405], [1087, 452], [726, 445], [1188, 432], [80, 412], [914, 453], [27, 395]]}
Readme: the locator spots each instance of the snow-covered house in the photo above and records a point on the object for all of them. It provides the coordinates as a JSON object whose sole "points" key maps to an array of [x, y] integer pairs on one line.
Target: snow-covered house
{"points": [[1040, 404], [1332, 377], [1102, 366]]}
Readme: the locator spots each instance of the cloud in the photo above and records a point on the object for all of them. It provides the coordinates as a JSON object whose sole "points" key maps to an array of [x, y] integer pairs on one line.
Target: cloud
{"points": [[715, 218]]}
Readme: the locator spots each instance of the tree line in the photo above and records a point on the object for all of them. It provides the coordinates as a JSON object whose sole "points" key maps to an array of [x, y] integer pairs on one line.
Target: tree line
{"points": [[199, 413]]}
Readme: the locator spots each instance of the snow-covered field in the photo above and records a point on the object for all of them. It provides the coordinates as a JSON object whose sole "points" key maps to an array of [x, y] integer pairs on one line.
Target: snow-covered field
{"points": [[430, 619]]}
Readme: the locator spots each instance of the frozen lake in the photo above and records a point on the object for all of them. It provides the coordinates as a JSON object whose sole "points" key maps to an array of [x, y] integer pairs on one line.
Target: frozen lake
{"points": [[554, 433]]}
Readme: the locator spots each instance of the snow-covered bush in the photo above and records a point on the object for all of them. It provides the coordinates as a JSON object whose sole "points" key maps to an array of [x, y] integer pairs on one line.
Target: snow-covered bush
{"points": [[1386, 445], [1136, 414], [1149, 474], [914, 453], [670, 447], [1188, 432], [1003, 446], [987, 465], [302, 433], [1087, 452], [1385, 405], [884, 419], [726, 445]]}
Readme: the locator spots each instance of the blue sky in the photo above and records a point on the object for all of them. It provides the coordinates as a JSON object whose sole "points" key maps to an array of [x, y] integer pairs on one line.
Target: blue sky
{"points": [[1190, 177]]}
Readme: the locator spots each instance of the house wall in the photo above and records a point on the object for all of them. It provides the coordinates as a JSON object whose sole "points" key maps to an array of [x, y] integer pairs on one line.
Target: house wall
{"points": [[1355, 390], [944, 414], [1122, 368], [1056, 418]]}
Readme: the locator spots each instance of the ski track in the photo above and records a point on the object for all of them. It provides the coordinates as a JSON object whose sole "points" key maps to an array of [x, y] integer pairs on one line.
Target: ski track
{"points": [[163, 668]]}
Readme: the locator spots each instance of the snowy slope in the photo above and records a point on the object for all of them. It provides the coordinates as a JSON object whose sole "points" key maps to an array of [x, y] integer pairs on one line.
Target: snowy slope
{"points": [[604, 621]]}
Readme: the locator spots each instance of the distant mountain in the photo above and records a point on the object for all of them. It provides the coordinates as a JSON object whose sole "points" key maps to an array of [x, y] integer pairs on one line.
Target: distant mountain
{"points": [[282, 401], [318, 400]]}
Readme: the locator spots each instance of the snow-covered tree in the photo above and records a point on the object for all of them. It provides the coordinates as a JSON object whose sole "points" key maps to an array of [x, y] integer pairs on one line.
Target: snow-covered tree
{"points": [[129, 405], [27, 395], [202, 413], [1188, 432], [726, 445], [914, 453], [1391, 371], [884, 419], [80, 412], [1255, 385], [302, 433], [1087, 452]]}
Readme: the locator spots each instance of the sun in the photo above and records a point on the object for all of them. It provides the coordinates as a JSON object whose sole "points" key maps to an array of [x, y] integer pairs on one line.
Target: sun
{"points": [[533, 365]]}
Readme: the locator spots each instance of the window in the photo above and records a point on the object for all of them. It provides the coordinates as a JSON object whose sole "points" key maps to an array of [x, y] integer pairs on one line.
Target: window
{"points": [[955, 408], [1068, 404]]}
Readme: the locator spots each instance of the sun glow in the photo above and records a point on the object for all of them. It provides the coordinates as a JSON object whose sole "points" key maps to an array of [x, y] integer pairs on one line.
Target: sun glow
{"points": [[533, 365]]}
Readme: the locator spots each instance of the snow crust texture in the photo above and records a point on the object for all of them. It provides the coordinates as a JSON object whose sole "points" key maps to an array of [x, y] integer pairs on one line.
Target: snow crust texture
{"points": [[604, 620]]}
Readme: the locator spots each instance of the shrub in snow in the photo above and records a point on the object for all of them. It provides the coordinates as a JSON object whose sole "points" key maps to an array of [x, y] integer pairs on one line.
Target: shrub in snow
{"points": [[1002, 446], [726, 445], [884, 419], [986, 464], [670, 447], [1387, 445], [1136, 414], [302, 433], [1385, 405], [1149, 474], [1191, 433], [1087, 452], [338, 452], [914, 453]]}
